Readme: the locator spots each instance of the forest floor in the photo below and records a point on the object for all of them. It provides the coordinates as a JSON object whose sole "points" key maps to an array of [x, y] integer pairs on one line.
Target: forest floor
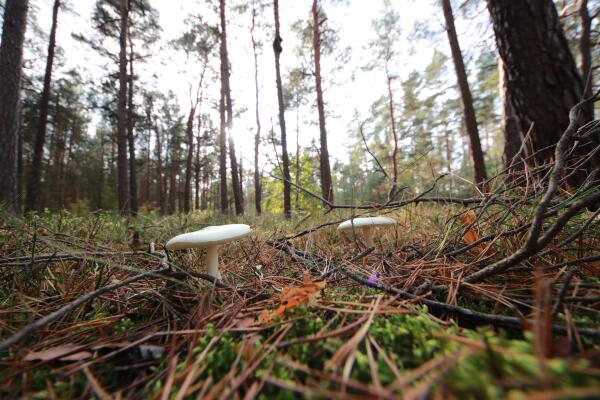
{"points": [[314, 315]]}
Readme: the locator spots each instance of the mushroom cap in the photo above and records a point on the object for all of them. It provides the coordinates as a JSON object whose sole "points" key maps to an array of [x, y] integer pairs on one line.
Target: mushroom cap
{"points": [[367, 221], [211, 235]]}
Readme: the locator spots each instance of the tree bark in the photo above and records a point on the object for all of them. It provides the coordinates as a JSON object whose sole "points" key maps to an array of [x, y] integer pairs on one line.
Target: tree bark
{"points": [[325, 169], [394, 154], [222, 120], [197, 166], [122, 183], [133, 184], [513, 137], [11, 59], [542, 80], [205, 186], [148, 161], [586, 55], [226, 92], [257, 185], [35, 174], [479, 173], [187, 188], [159, 175], [187, 191], [297, 175], [173, 186], [285, 159], [235, 178]]}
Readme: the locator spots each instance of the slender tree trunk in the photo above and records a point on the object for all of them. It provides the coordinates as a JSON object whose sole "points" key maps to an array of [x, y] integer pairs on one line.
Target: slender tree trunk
{"points": [[297, 175], [148, 172], [159, 175], [235, 178], [173, 187], [205, 186], [222, 120], [325, 169], [133, 184], [226, 89], [35, 174], [179, 193], [241, 169], [394, 156], [257, 186], [122, 183], [586, 55], [187, 188], [11, 58], [197, 166], [20, 164], [68, 186], [285, 159], [223, 157], [479, 173]]}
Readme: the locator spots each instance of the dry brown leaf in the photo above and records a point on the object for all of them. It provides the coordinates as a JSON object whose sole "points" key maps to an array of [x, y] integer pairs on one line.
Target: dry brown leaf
{"points": [[292, 296], [470, 235], [264, 317], [58, 352]]}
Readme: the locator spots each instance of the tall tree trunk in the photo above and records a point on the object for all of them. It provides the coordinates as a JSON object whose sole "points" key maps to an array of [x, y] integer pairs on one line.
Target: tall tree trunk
{"points": [[11, 58], [479, 173], [297, 175], [586, 55], [20, 164], [394, 155], [226, 91], [512, 134], [198, 165], [148, 172], [235, 178], [187, 191], [222, 120], [159, 175], [325, 169], [241, 169], [257, 186], [35, 174], [133, 184], [68, 186], [205, 186], [122, 184], [285, 159], [187, 187], [542, 80], [173, 186]]}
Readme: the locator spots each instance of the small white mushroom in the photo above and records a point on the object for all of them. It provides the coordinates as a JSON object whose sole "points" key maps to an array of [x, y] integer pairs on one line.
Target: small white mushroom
{"points": [[366, 225], [210, 238]]}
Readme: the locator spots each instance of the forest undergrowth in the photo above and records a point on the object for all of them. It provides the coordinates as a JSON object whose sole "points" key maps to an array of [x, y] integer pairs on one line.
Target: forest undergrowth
{"points": [[492, 296], [316, 315]]}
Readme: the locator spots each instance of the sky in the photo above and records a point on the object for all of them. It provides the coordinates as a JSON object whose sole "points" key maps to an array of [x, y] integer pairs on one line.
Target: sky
{"points": [[350, 96]]}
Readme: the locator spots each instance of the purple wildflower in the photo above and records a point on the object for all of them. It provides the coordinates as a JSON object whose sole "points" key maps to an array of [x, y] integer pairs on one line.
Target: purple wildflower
{"points": [[373, 279]]}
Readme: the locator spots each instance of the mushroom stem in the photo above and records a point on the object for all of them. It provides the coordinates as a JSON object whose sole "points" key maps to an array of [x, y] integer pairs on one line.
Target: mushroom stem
{"points": [[212, 261], [368, 234]]}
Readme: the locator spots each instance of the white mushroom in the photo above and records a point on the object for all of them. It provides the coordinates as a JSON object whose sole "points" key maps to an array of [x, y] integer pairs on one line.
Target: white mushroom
{"points": [[366, 225], [210, 238]]}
